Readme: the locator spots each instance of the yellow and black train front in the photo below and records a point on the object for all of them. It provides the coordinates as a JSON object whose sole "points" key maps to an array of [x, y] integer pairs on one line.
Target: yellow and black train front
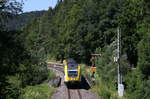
{"points": [[72, 71]]}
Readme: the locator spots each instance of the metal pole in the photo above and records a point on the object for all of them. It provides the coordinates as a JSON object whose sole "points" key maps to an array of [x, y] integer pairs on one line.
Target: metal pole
{"points": [[118, 54], [120, 85]]}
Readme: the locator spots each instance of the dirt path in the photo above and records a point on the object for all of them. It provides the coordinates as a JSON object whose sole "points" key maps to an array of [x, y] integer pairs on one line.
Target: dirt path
{"points": [[81, 91]]}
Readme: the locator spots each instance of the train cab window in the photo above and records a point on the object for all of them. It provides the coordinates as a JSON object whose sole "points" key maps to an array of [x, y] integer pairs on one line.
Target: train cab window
{"points": [[72, 64]]}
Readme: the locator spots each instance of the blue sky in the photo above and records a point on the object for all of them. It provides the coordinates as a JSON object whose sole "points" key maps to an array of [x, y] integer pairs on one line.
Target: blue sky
{"points": [[34, 5]]}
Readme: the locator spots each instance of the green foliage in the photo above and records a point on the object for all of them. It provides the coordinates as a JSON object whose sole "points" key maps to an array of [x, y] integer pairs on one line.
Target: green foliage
{"points": [[106, 77], [86, 72], [144, 55], [133, 15], [137, 87], [134, 80], [125, 67], [12, 54], [17, 21], [16, 60], [13, 88], [37, 92], [51, 76], [20, 64], [106, 68], [76, 28], [104, 90], [143, 92], [106, 72]]}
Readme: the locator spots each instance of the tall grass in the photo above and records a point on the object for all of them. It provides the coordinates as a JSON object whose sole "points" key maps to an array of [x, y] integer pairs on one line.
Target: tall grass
{"points": [[105, 90], [37, 92], [51, 75], [42, 91]]}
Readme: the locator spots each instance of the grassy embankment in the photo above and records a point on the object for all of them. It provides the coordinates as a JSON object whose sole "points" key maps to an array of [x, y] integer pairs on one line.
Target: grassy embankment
{"points": [[101, 88], [105, 90], [41, 91]]}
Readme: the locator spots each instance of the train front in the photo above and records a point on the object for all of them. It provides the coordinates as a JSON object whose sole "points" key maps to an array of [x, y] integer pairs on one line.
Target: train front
{"points": [[72, 71]]}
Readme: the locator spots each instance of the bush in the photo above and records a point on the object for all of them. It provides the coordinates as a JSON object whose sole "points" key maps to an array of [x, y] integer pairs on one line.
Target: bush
{"points": [[144, 55], [107, 71], [37, 92], [133, 80], [13, 89], [103, 90], [137, 86], [86, 72], [51, 75]]}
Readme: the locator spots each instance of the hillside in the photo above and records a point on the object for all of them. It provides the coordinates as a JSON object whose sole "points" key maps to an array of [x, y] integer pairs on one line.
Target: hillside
{"points": [[20, 20]]}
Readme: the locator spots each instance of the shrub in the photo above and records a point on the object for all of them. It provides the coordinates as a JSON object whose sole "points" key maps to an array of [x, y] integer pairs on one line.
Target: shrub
{"points": [[13, 89], [137, 86], [144, 55], [51, 75], [37, 92]]}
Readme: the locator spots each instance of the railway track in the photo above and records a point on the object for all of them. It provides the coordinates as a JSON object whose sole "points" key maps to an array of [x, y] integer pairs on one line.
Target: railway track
{"points": [[69, 96], [57, 67], [71, 93], [77, 95]]}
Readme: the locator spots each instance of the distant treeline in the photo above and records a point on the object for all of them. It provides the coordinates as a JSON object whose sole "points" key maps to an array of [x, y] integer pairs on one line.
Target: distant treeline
{"points": [[15, 21]]}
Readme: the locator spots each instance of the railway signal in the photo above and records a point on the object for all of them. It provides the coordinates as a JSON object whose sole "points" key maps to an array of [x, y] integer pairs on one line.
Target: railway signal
{"points": [[93, 68]]}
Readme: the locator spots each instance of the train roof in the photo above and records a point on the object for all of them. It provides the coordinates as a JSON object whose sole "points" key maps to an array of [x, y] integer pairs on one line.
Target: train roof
{"points": [[71, 61]]}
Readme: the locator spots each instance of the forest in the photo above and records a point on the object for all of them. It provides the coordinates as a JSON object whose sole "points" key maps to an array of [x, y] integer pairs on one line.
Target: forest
{"points": [[76, 29]]}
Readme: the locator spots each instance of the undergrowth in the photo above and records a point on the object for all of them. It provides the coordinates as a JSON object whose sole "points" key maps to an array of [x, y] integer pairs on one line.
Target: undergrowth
{"points": [[37, 92]]}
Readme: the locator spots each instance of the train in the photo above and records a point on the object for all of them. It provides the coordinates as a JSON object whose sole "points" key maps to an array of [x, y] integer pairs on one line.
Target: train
{"points": [[72, 71]]}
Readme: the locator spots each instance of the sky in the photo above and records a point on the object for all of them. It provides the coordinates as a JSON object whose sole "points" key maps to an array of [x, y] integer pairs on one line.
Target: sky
{"points": [[36, 5]]}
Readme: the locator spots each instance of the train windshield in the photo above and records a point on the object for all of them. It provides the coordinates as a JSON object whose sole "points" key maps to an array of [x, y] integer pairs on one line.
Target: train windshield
{"points": [[72, 64]]}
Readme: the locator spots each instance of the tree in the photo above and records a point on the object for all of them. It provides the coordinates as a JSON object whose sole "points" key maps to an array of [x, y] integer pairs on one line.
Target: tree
{"points": [[144, 55], [22, 62]]}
